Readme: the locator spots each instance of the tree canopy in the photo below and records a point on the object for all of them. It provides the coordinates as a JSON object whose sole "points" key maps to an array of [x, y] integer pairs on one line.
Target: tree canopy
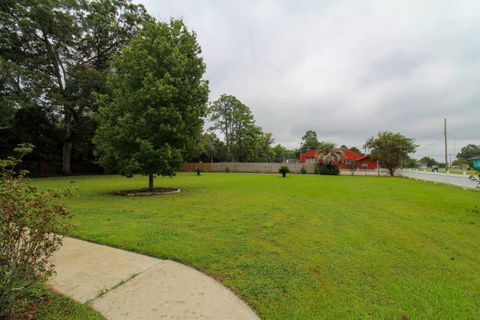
{"points": [[280, 153], [213, 148], [244, 140], [390, 149], [469, 151], [355, 149], [310, 142], [153, 116], [427, 161], [55, 53]]}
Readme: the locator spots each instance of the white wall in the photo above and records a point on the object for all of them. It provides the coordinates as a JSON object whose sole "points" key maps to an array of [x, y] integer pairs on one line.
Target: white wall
{"points": [[461, 180]]}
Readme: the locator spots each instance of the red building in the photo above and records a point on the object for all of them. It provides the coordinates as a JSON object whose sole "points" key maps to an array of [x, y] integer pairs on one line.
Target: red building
{"points": [[361, 161], [308, 156]]}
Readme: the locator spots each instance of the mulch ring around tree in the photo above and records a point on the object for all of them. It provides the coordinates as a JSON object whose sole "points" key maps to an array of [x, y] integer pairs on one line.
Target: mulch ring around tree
{"points": [[147, 192]]}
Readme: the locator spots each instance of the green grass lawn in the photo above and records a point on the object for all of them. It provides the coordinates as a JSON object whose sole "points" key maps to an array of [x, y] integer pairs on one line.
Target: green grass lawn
{"points": [[304, 247], [42, 304]]}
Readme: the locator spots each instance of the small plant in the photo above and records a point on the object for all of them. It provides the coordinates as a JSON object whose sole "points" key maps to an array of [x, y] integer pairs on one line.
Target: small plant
{"points": [[227, 169], [303, 170], [284, 170], [328, 170], [31, 228], [198, 171]]}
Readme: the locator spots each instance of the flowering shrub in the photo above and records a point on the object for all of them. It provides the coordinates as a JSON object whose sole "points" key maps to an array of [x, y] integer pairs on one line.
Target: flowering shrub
{"points": [[31, 228]]}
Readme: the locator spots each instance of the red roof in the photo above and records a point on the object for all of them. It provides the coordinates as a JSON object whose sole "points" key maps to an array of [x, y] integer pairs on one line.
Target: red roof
{"points": [[307, 154], [352, 155]]}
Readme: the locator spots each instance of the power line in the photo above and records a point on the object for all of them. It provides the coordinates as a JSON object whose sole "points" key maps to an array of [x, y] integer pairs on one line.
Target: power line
{"points": [[434, 142], [427, 137]]}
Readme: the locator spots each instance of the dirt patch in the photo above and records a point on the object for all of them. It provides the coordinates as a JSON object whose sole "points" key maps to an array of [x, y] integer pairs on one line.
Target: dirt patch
{"points": [[146, 192]]}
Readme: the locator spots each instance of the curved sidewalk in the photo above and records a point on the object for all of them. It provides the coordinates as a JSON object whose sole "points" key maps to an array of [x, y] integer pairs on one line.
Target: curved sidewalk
{"points": [[123, 285]]}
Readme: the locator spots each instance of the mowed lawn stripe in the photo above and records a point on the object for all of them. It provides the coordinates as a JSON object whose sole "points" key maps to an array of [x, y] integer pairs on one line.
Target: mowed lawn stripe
{"points": [[306, 246]]}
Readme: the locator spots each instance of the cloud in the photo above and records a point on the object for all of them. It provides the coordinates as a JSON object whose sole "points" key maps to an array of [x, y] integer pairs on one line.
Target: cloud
{"points": [[347, 69]]}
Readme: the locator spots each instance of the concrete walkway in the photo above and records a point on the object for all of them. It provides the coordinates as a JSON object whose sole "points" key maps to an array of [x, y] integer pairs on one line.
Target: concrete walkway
{"points": [[122, 285]]}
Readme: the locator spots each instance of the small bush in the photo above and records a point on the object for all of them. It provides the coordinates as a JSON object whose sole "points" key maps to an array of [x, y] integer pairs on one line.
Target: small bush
{"points": [[198, 171], [284, 170], [327, 170], [227, 169], [476, 179], [303, 170], [31, 229]]}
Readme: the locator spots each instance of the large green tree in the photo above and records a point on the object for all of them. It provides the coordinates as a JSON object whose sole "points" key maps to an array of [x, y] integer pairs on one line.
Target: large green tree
{"points": [[32, 125], [469, 151], [255, 145], [391, 149], [213, 148], [153, 116], [55, 53], [281, 153], [427, 161], [310, 142], [244, 140], [232, 119]]}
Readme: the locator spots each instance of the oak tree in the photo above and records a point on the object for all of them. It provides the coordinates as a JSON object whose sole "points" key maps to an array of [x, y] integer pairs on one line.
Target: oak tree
{"points": [[55, 53], [391, 149]]}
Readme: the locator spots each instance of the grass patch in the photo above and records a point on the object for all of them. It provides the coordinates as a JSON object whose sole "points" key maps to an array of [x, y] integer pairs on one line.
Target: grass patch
{"points": [[39, 303], [302, 247]]}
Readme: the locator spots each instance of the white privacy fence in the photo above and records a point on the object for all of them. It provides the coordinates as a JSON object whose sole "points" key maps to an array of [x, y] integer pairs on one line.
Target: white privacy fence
{"points": [[460, 180]]}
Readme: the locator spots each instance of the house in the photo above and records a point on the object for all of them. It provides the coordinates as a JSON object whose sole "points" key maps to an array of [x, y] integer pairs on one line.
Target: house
{"points": [[476, 162], [361, 161], [308, 156]]}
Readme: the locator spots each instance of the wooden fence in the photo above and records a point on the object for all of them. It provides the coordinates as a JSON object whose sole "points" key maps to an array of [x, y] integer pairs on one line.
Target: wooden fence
{"points": [[267, 167]]}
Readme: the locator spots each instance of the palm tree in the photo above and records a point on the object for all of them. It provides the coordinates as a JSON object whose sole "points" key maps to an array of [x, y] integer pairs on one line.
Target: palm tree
{"points": [[330, 156]]}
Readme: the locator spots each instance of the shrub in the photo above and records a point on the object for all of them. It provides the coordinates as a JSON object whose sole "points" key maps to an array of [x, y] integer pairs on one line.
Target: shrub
{"points": [[328, 170], [30, 231], [284, 170], [303, 170], [198, 171], [227, 169], [476, 179]]}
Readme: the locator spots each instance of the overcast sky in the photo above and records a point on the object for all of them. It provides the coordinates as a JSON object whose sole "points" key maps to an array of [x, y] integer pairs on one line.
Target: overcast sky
{"points": [[346, 69]]}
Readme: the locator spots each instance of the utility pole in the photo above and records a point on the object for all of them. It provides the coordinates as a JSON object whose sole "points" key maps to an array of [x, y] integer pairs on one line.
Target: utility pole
{"points": [[445, 133]]}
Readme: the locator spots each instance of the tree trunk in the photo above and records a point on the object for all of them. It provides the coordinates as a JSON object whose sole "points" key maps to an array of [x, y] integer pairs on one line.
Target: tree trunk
{"points": [[67, 145], [150, 182], [59, 72], [392, 171], [67, 157]]}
